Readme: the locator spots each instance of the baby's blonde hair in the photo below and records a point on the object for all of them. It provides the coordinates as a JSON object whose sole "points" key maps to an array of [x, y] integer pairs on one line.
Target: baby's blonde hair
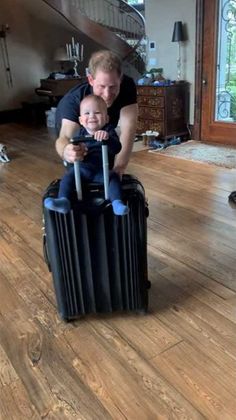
{"points": [[96, 99]]}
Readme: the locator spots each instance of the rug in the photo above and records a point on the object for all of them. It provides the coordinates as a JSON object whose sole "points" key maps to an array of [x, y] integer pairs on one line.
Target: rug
{"points": [[202, 152]]}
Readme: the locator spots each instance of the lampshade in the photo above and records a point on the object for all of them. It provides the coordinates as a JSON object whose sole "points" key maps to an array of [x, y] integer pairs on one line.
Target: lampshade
{"points": [[178, 34], [60, 54]]}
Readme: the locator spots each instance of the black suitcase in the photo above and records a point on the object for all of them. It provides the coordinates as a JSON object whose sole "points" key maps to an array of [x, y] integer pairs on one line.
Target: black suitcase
{"points": [[98, 260]]}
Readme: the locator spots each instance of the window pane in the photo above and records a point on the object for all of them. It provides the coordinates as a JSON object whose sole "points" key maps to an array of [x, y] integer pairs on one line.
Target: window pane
{"points": [[226, 63]]}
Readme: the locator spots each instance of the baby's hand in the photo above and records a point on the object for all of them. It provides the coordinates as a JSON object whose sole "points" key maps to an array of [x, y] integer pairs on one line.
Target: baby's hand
{"points": [[101, 135]]}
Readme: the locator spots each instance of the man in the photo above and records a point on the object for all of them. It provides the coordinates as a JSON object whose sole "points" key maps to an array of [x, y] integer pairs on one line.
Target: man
{"points": [[105, 79]]}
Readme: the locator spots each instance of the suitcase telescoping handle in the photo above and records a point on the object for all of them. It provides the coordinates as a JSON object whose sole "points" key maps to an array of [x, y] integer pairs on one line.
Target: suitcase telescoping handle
{"points": [[105, 165]]}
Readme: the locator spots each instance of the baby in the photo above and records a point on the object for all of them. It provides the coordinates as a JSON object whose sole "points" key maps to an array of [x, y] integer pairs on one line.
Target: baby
{"points": [[94, 122]]}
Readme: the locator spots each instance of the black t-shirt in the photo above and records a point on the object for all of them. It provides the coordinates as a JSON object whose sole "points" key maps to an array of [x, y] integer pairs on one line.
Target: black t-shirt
{"points": [[69, 105]]}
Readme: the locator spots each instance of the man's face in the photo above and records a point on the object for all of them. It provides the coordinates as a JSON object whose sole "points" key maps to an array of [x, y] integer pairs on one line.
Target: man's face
{"points": [[106, 85]]}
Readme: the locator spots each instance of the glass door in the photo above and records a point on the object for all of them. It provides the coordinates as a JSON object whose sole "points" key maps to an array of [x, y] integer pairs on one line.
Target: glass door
{"points": [[218, 121], [225, 109]]}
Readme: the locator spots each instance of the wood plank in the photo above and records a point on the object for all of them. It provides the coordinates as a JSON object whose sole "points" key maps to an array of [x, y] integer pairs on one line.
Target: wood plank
{"points": [[159, 262], [189, 172], [209, 261], [194, 374], [105, 360], [179, 360], [41, 362], [204, 328], [15, 403], [51, 382], [189, 222], [146, 334], [36, 295], [221, 304], [203, 188], [35, 383], [7, 373]]}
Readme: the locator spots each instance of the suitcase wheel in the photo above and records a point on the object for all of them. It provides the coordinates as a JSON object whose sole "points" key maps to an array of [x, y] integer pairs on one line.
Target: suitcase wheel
{"points": [[142, 311]]}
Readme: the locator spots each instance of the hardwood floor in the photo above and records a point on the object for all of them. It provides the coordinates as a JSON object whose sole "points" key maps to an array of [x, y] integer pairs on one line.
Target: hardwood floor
{"points": [[177, 362]]}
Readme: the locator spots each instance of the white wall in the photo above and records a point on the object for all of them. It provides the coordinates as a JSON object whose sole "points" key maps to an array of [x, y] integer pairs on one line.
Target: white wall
{"points": [[32, 42], [31, 45], [160, 17]]}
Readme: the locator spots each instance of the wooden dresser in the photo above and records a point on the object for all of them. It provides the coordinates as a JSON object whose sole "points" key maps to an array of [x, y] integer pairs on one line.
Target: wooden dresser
{"points": [[163, 109]]}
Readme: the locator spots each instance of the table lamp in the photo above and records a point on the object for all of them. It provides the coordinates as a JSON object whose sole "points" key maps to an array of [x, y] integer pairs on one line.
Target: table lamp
{"points": [[60, 55], [178, 36]]}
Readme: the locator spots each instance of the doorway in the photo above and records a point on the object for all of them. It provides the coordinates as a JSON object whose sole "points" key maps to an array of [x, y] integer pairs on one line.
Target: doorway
{"points": [[217, 75]]}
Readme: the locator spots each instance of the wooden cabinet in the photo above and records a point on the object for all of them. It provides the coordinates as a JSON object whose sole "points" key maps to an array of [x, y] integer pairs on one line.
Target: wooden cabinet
{"points": [[163, 109]]}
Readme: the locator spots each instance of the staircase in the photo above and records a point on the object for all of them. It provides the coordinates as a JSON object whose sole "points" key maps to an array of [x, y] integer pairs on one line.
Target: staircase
{"points": [[113, 24]]}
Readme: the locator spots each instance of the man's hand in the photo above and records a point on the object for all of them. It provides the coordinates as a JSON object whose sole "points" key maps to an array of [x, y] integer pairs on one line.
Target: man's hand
{"points": [[66, 150], [120, 167], [72, 152], [101, 135]]}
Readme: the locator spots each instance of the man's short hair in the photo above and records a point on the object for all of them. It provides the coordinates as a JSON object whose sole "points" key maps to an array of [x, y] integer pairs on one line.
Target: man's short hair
{"points": [[106, 61]]}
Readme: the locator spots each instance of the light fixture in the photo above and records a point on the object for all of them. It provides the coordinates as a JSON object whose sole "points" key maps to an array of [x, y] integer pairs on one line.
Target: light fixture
{"points": [[60, 55], [75, 53], [178, 36]]}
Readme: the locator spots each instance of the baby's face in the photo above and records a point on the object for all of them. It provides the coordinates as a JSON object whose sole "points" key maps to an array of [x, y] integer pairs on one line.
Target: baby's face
{"points": [[93, 116]]}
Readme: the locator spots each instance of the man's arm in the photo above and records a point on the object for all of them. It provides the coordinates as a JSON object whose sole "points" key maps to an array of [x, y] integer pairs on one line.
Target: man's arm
{"points": [[64, 148], [128, 124]]}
